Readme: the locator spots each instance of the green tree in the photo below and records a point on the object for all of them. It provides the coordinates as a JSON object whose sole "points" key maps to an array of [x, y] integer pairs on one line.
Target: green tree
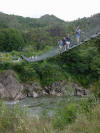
{"points": [[11, 39]]}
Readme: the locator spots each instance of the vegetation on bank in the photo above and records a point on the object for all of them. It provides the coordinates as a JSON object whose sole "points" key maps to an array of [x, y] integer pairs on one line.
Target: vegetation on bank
{"points": [[79, 116], [28, 36], [80, 65], [11, 39]]}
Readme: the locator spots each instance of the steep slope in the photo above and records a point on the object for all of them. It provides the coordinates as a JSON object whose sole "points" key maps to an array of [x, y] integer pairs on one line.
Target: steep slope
{"points": [[80, 65]]}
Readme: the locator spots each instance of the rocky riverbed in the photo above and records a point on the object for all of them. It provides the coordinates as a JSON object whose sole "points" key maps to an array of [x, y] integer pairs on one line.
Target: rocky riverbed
{"points": [[11, 88], [44, 105]]}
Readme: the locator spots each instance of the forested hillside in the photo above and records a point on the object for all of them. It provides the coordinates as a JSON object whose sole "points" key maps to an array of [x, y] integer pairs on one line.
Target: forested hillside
{"points": [[19, 35], [73, 75], [41, 32], [26, 23]]}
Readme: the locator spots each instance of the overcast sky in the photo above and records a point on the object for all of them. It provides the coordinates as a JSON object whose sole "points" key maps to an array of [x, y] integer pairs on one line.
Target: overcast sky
{"points": [[63, 9]]}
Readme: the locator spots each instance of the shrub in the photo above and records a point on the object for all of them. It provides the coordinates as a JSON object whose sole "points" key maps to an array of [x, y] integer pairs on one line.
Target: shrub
{"points": [[14, 120], [65, 115], [11, 39], [96, 89], [89, 123]]}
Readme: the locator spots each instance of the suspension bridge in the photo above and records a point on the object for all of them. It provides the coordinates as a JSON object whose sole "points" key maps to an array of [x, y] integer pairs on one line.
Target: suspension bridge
{"points": [[55, 51]]}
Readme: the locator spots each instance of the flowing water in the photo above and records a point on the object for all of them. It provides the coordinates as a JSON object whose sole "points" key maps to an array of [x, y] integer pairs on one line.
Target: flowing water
{"points": [[38, 106]]}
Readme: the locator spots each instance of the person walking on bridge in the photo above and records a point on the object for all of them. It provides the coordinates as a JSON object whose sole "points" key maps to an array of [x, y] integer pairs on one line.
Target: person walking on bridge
{"points": [[64, 44], [77, 34], [68, 41], [60, 44]]}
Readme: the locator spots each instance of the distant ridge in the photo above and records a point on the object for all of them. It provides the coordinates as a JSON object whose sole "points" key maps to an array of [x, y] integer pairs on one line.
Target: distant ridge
{"points": [[24, 23], [14, 21]]}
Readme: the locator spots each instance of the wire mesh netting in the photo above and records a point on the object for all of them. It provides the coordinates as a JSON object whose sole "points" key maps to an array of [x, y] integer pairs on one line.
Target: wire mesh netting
{"points": [[87, 34]]}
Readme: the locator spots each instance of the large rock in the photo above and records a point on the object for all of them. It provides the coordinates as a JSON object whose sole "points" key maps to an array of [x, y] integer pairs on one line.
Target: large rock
{"points": [[61, 88], [32, 90], [9, 85], [11, 88], [80, 91], [58, 88], [2, 91]]}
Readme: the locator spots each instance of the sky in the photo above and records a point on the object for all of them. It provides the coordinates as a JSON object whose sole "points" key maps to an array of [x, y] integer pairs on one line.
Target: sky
{"points": [[67, 10]]}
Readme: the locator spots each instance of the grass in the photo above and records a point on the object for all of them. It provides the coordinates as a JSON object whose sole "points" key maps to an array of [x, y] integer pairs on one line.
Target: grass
{"points": [[16, 121], [27, 51], [89, 123]]}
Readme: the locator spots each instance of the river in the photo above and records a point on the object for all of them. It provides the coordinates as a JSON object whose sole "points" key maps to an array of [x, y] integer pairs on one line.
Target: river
{"points": [[37, 106]]}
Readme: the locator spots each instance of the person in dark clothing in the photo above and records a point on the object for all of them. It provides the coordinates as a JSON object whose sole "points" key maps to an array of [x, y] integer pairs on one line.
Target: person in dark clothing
{"points": [[64, 43], [68, 41]]}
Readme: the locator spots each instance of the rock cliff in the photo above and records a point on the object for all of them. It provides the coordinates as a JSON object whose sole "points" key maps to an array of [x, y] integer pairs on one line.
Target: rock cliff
{"points": [[11, 88], [9, 85]]}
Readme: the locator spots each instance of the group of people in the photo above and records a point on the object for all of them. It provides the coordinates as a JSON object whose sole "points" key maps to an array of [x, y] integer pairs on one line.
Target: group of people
{"points": [[64, 43], [33, 57]]}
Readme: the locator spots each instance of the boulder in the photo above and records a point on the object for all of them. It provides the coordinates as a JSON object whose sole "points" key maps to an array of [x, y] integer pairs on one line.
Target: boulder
{"points": [[35, 94], [9, 85], [80, 91], [61, 88], [32, 90], [12, 89], [2, 91]]}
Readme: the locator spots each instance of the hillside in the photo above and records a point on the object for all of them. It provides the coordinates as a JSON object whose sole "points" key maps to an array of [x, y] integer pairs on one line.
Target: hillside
{"points": [[43, 32], [26, 23], [73, 75], [80, 65]]}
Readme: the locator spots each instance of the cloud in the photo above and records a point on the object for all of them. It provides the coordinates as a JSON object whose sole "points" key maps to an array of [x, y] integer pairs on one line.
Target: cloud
{"points": [[64, 9]]}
